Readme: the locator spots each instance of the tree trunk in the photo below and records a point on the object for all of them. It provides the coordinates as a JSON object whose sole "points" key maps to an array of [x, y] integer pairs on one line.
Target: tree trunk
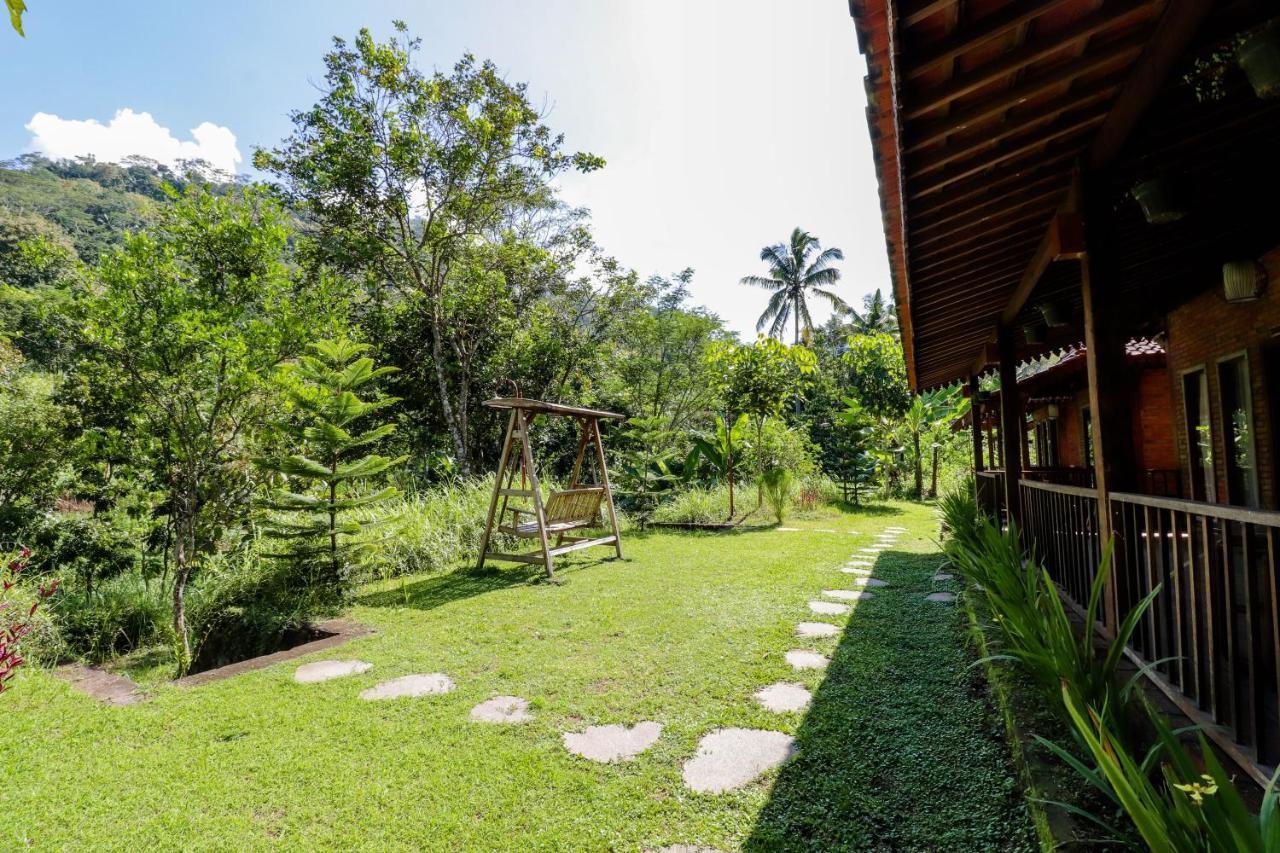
{"points": [[183, 554], [728, 439], [442, 382], [933, 474], [915, 440]]}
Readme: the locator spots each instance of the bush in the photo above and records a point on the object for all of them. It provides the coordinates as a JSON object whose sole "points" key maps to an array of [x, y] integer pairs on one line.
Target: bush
{"points": [[120, 615], [695, 505], [778, 484], [432, 531]]}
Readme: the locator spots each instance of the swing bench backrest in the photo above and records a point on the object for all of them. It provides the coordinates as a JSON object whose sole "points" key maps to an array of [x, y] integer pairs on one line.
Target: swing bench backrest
{"points": [[574, 508]]}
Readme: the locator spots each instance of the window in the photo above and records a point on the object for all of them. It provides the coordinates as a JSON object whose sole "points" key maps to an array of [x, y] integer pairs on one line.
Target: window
{"points": [[1046, 444], [1195, 399], [1237, 432]]}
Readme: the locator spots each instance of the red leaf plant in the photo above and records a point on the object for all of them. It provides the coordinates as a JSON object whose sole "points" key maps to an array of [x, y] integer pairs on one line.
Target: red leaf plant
{"points": [[15, 620]]}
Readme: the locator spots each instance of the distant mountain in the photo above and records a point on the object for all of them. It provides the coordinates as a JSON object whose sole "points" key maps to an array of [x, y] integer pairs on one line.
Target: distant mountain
{"points": [[91, 204]]}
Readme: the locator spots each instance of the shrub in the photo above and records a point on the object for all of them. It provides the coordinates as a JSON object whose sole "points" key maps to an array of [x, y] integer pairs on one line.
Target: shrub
{"points": [[119, 615], [18, 607], [695, 505], [778, 484]]}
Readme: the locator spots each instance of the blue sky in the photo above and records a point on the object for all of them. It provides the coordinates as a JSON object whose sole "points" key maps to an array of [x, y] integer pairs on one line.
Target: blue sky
{"points": [[725, 122]]}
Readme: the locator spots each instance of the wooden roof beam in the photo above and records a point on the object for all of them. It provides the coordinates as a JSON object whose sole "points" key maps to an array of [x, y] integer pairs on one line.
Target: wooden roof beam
{"points": [[971, 81], [1075, 128], [923, 233], [1173, 33], [992, 26], [1063, 240], [940, 129], [970, 200], [1036, 208], [919, 11]]}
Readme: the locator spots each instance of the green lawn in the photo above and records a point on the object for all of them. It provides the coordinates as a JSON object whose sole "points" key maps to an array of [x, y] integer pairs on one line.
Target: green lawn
{"points": [[900, 749]]}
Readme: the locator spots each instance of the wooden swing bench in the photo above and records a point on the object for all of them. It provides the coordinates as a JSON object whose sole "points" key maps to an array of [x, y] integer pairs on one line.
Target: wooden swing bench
{"points": [[575, 508]]}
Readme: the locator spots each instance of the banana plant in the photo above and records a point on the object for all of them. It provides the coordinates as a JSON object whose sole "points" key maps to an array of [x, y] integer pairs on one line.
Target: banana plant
{"points": [[719, 449]]}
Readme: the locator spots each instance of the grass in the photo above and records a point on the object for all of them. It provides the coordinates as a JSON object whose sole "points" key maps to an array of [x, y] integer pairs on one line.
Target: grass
{"points": [[900, 750]]}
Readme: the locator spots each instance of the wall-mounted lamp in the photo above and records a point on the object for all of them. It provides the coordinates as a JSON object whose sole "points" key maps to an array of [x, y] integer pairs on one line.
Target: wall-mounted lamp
{"points": [[1157, 199], [1034, 333], [1052, 411], [1259, 57], [1243, 281], [1054, 313]]}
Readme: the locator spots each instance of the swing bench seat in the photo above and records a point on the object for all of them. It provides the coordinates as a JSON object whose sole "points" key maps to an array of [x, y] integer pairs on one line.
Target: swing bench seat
{"points": [[568, 510]]}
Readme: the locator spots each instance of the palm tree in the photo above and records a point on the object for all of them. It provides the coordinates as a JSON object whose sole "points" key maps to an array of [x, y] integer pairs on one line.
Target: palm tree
{"points": [[792, 278], [877, 315]]}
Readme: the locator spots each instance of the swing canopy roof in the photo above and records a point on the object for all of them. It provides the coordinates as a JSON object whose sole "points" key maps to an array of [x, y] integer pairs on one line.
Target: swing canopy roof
{"points": [[541, 407]]}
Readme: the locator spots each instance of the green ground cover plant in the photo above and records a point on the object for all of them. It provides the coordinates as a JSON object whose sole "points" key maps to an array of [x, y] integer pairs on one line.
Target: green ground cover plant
{"points": [[896, 752]]}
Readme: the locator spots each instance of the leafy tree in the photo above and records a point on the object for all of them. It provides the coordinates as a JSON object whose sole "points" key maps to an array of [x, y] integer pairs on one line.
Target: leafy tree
{"points": [[33, 448], [404, 172], [877, 374], [322, 387], [757, 380], [877, 316], [718, 449], [190, 322], [928, 412], [33, 250], [850, 460], [792, 278]]}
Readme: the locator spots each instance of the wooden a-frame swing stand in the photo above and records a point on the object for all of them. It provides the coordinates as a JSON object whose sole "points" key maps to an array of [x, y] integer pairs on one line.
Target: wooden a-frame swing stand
{"points": [[577, 507]]}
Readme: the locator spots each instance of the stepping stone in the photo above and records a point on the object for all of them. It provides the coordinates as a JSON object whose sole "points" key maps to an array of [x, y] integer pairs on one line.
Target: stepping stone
{"points": [[806, 659], [828, 608], [856, 571], [940, 596], [817, 629], [847, 594], [897, 529], [607, 744], [783, 697], [787, 529], [502, 709], [872, 582], [686, 848], [730, 758], [324, 670], [943, 576], [410, 685]]}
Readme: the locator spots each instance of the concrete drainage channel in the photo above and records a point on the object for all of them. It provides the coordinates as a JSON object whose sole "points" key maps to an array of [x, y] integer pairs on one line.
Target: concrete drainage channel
{"points": [[112, 689]]}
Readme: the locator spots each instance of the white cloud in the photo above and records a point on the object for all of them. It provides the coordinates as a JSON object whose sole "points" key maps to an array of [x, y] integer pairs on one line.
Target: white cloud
{"points": [[132, 134]]}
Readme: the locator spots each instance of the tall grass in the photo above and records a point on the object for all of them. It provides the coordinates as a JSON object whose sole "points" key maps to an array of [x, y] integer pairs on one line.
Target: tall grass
{"points": [[700, 505]]}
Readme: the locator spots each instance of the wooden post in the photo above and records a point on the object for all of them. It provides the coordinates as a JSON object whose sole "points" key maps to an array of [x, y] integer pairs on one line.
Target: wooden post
{"points": [[524, 421], [1109, 400], [608, 489], [975, 415], [497, 488], [1011, 431]]}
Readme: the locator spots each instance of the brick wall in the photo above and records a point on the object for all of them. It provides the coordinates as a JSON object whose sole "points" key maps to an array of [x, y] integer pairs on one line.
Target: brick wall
{"points": [[1153, 422], [1208, 329]]}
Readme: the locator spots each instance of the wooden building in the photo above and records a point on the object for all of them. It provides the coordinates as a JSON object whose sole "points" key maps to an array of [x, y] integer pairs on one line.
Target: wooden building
{"points": [[1086, 173]]}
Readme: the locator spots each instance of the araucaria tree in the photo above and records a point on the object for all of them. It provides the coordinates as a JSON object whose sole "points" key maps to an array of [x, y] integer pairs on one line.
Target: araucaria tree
{"points": [[326, 480], [190, 321], [406, 173], [793, 277]]}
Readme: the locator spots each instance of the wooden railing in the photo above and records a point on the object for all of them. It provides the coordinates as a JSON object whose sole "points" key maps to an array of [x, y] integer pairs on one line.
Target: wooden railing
{"points": [[1061, 475], [1215, 627], [1060, 525], [990, 485]]}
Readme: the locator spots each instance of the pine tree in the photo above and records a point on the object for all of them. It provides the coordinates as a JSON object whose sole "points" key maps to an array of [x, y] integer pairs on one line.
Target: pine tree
{"points": [[325, 480]]}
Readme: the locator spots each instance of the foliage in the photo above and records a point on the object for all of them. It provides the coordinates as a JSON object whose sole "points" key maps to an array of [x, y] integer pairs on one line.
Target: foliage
{"points": [[191, 320], [778, 484], [16, 8], [406, 173], [33, 449], [792, 278], [324, 480], [877, 316], [16, 612], [928, 413], [695, 505], [1029, 616], [878, 374]]}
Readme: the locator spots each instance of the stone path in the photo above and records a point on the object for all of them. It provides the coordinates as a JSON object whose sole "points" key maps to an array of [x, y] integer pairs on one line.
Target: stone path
{"points": [[847, 594], [817, 629], [942, 576], [502, 709], [940, 596], [410, 686], [872, 582], [607, 744], [327, 670], [807, 659], [783, 697], [730, 758], [828, 608]]}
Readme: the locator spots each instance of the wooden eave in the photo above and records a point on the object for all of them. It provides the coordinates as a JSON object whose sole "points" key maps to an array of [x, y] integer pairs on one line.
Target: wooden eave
{"points": [[980, 113]]}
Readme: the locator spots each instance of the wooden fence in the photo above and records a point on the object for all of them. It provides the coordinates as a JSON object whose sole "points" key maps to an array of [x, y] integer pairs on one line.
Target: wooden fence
{"points": [[1060, 524], [1215, 626]]}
